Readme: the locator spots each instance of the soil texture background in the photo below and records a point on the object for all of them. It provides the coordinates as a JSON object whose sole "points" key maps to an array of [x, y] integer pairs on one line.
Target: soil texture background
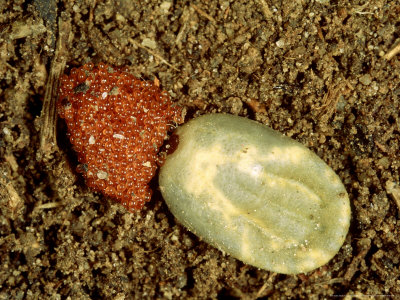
{"points": [[324, 72]]}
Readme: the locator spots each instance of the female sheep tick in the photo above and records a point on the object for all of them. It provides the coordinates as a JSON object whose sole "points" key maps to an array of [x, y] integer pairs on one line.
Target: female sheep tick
{"points": [[255, 194]]}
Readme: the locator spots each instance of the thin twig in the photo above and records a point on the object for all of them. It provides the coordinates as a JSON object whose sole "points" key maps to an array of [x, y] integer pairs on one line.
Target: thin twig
{"points": [[353, 267], [48, 205], [132, 41], [203, 13], [392, 53], [184, 20]]}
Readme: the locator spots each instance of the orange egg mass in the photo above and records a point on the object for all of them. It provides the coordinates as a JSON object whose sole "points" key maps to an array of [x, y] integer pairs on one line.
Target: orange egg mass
{"points": [[117, 124]]}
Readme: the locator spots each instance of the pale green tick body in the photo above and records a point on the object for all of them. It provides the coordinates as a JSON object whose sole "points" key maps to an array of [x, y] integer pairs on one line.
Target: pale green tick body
{"points": [[255, 194]]}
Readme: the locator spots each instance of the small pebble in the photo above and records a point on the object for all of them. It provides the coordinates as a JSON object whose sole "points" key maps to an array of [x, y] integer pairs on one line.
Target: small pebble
{"points": [[365, 79]]}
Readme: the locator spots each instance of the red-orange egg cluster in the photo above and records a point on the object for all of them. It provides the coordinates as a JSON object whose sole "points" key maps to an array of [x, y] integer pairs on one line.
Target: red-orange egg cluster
{"points": [[116, 123]]}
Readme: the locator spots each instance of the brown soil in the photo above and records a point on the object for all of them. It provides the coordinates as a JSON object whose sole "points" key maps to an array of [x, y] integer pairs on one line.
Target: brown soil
{"points": [[319, 71]]}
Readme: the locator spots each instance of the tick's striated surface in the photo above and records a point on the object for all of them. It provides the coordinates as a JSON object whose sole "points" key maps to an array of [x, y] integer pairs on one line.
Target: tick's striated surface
{"points": [[255, 194], [116, 123]]}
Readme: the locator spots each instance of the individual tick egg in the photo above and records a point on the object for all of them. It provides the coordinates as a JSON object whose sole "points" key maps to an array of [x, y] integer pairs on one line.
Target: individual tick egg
{"points": [[257, 195]]}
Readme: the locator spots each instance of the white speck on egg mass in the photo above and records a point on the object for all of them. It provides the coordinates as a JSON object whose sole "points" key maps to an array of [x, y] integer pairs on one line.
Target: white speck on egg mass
{"points": [[91, 140], [146, 164], [118, 136], [255, 194], [102, 175]]}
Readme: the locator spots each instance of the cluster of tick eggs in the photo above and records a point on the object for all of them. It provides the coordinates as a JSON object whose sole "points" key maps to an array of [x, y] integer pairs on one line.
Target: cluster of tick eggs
{"points": [[116, 124], [255, 194]]}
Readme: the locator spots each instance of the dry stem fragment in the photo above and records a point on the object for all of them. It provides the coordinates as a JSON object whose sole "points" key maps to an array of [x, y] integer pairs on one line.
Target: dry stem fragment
{"points": [[48, 116]]}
